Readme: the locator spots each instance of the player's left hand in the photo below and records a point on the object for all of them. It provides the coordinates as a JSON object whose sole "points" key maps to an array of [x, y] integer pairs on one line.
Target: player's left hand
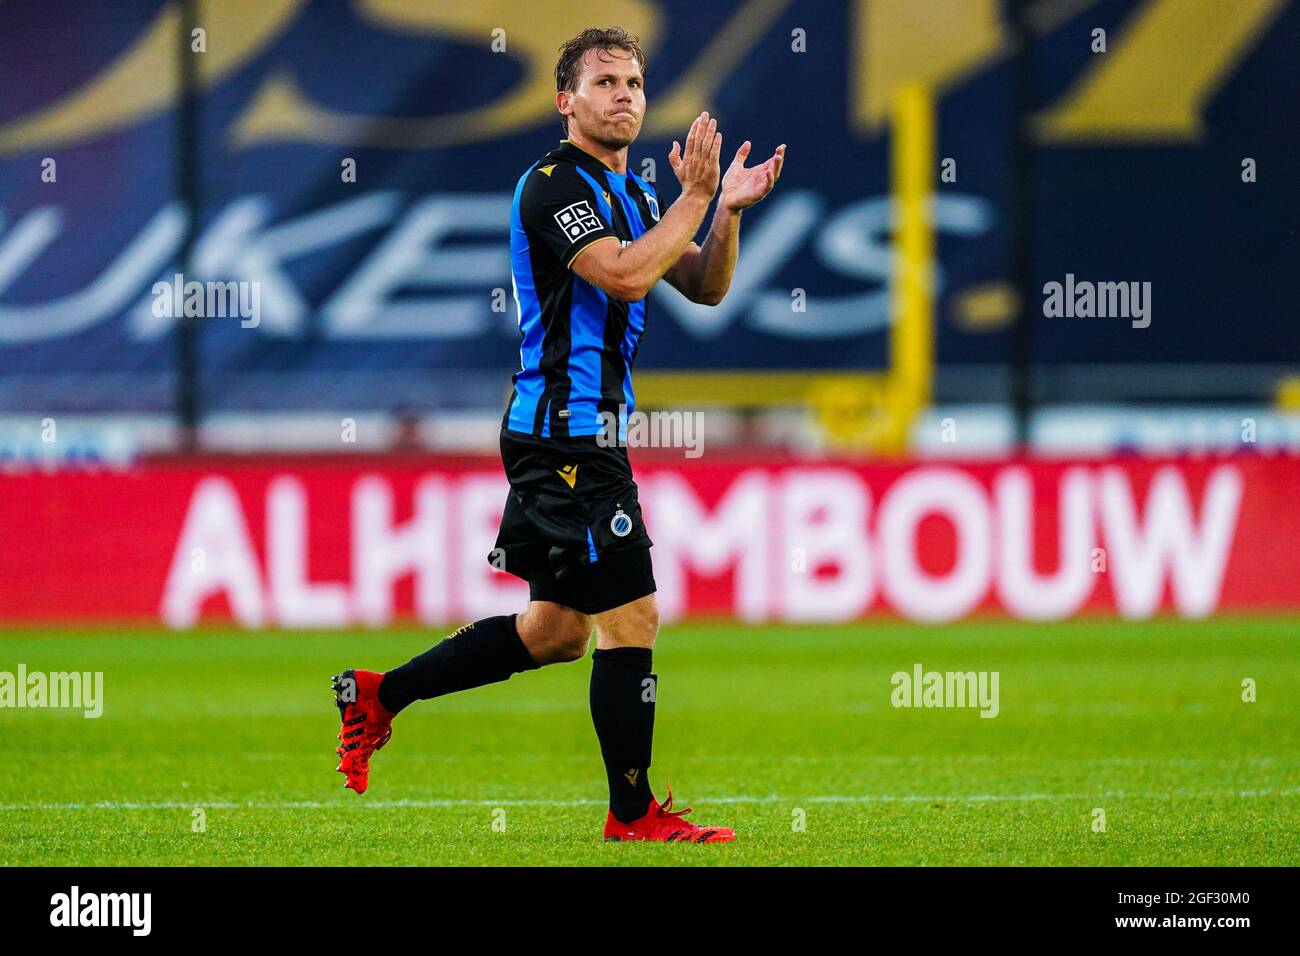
{"points": [[742, 187]]}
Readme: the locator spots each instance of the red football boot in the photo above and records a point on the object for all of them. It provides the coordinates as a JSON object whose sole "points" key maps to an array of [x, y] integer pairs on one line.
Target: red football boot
{"points": [[666, 825], [366, 725]]}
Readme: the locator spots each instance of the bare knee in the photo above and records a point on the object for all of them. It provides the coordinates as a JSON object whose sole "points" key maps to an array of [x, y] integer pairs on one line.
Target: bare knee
{"points": [[554, 634], [572, 640], [632, 625]]}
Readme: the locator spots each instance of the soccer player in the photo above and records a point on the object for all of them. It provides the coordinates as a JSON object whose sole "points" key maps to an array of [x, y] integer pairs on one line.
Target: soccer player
{"points": [[588, 239]]}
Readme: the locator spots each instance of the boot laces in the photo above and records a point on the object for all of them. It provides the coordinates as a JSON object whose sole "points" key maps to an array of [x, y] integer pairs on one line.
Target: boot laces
{"points": [[677, 815]]}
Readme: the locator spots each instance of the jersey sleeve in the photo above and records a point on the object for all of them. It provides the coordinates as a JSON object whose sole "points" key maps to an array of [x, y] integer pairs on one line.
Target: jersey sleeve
{"points": [[560, 210]]}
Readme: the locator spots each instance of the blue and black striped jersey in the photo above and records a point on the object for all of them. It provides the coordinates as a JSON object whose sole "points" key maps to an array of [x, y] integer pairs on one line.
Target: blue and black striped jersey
{"points": [[575, 361]]}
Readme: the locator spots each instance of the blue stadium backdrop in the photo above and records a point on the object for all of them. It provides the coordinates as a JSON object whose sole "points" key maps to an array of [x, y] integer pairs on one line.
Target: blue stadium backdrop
{"points": [[394, 289]]}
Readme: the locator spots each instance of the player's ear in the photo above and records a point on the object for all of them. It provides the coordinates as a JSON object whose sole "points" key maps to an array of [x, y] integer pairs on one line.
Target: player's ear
{"points": [[563, 104]]}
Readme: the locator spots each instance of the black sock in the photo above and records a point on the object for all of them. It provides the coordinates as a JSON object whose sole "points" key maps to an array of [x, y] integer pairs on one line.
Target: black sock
{"points": [[484, 652], [623, 710]]}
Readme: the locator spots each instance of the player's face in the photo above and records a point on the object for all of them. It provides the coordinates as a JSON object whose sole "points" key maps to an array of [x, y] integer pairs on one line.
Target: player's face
{"points": [[609, 103]]}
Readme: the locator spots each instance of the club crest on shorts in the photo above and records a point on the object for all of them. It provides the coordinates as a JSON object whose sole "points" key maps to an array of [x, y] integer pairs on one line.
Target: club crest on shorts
{"points": [[620, 524]]}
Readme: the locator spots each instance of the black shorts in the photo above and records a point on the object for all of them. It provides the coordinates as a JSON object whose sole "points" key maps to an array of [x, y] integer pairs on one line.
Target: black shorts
{"points": [[572, 524]]}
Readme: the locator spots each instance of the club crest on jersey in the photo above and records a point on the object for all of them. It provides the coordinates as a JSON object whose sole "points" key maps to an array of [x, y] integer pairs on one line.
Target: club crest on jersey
{"points": [[620, 524], [652, 202]]}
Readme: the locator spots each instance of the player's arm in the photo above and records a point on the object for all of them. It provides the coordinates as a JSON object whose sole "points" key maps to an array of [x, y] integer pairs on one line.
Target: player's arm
{"points": [[629, 272], [703, 273]]}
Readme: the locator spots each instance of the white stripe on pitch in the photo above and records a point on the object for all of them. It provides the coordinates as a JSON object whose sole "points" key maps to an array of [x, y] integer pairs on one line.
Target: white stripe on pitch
{"points": [[581, 802]]}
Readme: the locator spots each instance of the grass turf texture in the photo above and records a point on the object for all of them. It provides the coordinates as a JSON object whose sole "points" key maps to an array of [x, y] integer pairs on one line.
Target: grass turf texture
{"points": [[1144, 720]]}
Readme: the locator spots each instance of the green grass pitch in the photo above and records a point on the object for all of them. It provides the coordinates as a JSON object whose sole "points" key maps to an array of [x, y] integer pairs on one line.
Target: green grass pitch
{"points": [[758, 728]]}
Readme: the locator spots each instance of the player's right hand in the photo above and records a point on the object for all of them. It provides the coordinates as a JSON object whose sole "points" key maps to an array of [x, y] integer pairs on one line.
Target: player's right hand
{"points": [[697, 167]]}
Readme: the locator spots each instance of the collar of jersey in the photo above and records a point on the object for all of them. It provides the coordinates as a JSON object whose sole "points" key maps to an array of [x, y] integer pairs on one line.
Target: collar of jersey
{"points": [[571, 150], [576, 154]]}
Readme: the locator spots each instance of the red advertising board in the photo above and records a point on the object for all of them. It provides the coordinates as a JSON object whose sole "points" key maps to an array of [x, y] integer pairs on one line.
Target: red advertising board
{"points": [[366, 542]]}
